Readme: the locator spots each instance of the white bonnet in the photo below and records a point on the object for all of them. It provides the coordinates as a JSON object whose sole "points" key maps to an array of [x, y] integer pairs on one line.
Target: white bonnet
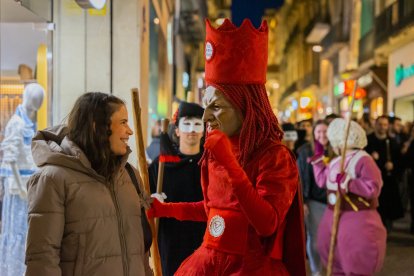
{"points": [[336, 134]]}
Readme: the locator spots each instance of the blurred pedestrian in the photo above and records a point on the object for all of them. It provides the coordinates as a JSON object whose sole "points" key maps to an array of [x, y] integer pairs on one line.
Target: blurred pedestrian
{"points": [[329, 118], [408, 154], [153, 149], [290, 136], [314, 197], [386, 154], [365, 123], [395, 130]]}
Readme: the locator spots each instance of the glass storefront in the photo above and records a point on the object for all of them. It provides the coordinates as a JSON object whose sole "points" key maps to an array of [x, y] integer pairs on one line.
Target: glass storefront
{"points": [[25, 57]]}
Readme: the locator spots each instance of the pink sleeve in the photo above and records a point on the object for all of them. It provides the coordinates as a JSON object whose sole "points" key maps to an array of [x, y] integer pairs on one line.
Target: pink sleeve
{"points": [[320, 171], [368, 180]]}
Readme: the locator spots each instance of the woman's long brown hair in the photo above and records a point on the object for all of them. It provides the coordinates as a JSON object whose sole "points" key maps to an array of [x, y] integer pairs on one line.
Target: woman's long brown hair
{"points": [[89, 127]]}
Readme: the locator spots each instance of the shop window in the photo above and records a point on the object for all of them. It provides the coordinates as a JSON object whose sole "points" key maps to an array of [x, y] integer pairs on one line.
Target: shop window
{"points": [[11, 89]]}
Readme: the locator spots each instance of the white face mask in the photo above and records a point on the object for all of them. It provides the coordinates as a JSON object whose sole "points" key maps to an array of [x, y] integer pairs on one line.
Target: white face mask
{"points": [[191, 125], [290, 135]]}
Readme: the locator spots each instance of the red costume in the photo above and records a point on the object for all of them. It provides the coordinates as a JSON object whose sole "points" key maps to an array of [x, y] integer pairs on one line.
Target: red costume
{"points": [[249, 181]]}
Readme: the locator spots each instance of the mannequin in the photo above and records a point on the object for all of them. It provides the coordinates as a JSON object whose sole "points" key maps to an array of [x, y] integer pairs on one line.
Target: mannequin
{"points": [[17, 166]]}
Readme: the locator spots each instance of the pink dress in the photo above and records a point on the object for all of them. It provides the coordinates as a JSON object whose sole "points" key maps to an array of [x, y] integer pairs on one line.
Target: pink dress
{"points": [[361, 240]]}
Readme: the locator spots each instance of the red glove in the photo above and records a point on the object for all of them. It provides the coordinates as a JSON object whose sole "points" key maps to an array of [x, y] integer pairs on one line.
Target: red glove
{"points": [[193, 211], [220, 147], [342, 179], [260, 213], [156, 209]]}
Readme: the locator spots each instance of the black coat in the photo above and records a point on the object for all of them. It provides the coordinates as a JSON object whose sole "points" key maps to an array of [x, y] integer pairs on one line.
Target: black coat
{"points": [[178, 239], [311, 191], [390, 206]]}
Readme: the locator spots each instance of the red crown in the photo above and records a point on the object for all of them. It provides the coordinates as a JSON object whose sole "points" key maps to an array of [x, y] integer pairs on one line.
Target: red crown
{"points": [[236, 55]]}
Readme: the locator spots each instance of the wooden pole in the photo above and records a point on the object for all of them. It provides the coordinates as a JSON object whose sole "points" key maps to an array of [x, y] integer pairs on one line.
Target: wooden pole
{"points": [[143, 170], [160, 179], [337, 208]]}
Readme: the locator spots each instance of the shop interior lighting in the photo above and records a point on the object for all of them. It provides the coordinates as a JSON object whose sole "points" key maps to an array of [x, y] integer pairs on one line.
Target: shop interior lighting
{"points": [[156, 21], [219, 21], [287, 113], [275, 85], [317, 48], [186, 79], [304, 102], [91, 4], [328, 110], [294, 104], [200, 83]]}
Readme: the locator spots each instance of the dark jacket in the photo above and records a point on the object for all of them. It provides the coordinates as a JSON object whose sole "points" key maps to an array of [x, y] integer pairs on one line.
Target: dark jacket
{"points": [[311, 191], [178, 239], [390, 205]]}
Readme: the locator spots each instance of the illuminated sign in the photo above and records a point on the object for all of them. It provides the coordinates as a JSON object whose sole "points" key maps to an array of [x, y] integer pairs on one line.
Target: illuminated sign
{"points": [[345, 88], [402, 73]]}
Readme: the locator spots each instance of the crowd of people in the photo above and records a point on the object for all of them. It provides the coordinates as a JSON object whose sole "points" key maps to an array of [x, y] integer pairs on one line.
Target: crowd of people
{"points": [[390, 146]]}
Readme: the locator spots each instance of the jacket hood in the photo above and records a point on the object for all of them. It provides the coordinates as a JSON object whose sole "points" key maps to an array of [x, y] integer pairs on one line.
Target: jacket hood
{"points": [[51, 146]]}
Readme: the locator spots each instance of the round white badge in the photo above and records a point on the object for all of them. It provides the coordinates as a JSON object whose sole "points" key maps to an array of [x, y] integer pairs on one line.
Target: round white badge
{"points": [[332, 198], [209, 50], [216, 226]]}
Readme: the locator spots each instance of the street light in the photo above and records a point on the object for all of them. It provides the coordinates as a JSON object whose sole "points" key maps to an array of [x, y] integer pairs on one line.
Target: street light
{"points": [[317, 48]]}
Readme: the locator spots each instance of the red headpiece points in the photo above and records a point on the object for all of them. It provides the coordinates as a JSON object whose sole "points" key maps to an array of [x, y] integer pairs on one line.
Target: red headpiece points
{"points": [[236, 55]]}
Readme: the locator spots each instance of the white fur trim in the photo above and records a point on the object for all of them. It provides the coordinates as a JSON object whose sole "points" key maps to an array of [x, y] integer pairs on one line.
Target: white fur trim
{"points": [[161, 197]]}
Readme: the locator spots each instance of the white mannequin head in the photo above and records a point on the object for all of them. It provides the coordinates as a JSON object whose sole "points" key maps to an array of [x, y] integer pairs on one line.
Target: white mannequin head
{"points": [[32, 98]]}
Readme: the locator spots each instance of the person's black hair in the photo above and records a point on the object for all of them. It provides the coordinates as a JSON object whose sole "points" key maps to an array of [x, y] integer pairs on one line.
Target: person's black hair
{"points": [[392, 119], [332, 116], [383, 117]]}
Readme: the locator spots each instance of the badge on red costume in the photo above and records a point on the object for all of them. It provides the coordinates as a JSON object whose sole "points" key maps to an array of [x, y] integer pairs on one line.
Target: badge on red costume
{"points": [[216, 226]]}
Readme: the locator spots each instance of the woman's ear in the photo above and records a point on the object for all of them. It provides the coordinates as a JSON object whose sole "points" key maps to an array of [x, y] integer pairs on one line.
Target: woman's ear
{"points": [[177, 132]]}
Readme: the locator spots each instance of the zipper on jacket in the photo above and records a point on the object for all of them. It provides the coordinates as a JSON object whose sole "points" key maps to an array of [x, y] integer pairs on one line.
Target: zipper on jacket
{"points": [[120, 230]]}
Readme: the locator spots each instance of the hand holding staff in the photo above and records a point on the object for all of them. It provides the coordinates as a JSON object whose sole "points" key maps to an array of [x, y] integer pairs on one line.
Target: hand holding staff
{"points": [[155, 254]]}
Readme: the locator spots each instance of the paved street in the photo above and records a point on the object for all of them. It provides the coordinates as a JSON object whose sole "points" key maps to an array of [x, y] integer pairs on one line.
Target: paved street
{"points": [[400, 251]]}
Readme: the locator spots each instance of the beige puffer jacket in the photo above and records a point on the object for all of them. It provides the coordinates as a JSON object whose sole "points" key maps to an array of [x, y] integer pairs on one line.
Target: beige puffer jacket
{"points": [[78, 223]]}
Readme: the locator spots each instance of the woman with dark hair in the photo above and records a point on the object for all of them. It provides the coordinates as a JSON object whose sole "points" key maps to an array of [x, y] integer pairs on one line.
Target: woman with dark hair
{"points": [[314, 198], [84, 211]]}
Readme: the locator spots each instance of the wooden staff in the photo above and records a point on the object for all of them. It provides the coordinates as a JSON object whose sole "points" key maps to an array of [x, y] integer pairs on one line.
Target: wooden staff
{"points": [[337, 208], [160, 179], [155, 254], [387, 142]]}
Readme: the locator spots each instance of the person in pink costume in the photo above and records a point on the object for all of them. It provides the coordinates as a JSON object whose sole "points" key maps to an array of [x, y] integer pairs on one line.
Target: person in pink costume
{"points": [[361, 239]]}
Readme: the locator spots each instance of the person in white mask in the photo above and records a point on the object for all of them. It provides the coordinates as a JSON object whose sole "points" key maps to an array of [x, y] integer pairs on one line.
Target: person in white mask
{"points": [[16, 167], [178, 239]]}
